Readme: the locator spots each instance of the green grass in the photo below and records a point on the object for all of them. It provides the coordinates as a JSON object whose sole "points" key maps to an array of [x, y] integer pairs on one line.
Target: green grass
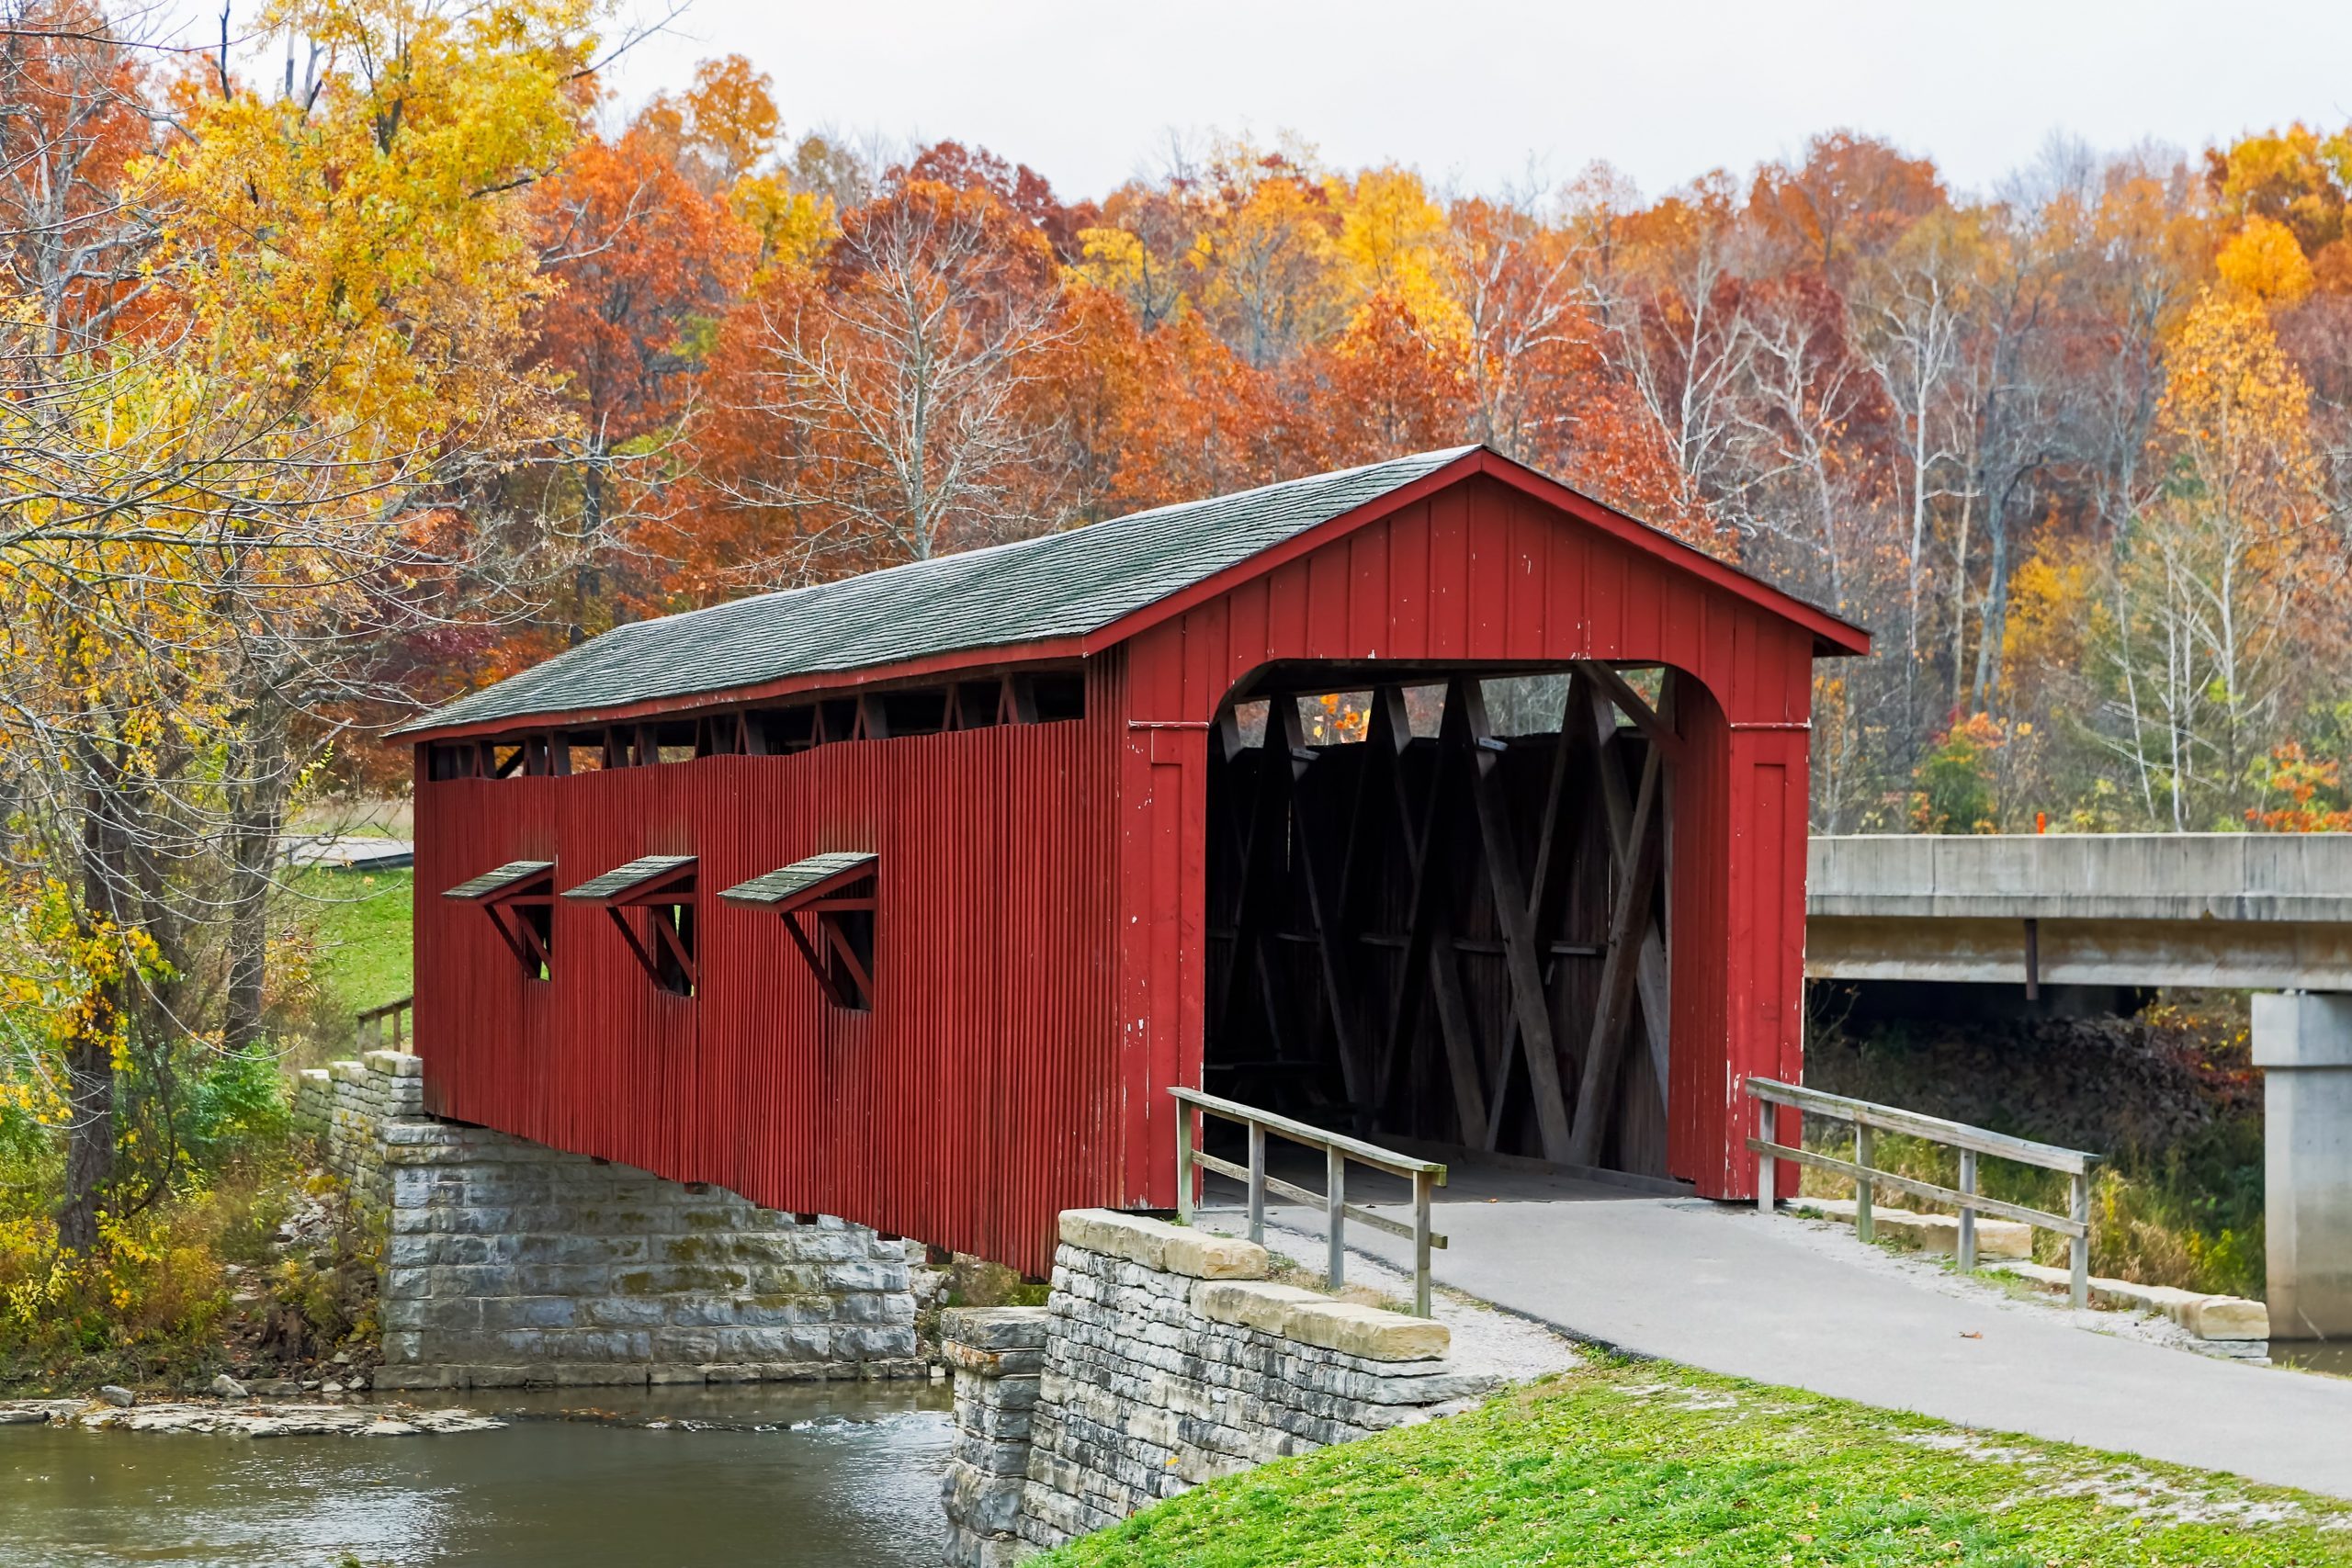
{"points": [[1624, 1465], [362, 920]]}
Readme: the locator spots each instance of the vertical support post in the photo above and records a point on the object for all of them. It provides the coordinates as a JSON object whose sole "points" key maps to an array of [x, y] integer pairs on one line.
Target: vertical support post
{"points": [[1865, 1227], [2080, 1285], [1767, 1168], [1421, 1186], [1183, 1162], [1968, 1213], [1335, 1183], [1256, 1184]]}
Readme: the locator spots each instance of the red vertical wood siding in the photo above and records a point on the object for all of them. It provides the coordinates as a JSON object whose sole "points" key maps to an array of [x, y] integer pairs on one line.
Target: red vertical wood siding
{"points": [[1040, 941], [973, 1102]]}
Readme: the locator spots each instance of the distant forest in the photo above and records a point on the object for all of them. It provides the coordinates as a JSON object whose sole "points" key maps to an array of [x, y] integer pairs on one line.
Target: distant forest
{"points": [[2074, 448]]}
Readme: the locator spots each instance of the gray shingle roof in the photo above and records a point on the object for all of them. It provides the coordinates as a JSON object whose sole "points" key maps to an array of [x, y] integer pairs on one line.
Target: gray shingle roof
{"points": [[622, 878], [499, 878], [1057, 585], [781, 885]]}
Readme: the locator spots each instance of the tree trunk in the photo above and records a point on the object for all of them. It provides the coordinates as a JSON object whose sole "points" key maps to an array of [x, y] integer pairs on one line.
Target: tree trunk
{"points": [[89, 1135], [89, 1056], [258, 816]]}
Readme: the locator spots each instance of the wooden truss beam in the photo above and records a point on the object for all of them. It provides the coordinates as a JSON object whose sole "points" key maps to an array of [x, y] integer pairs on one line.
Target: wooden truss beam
{"points": [[1330, 953], [1640, 850], [1530, 1007]]}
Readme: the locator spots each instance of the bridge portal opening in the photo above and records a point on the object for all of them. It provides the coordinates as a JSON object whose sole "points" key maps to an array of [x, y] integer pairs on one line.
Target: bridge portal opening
{"points": [[1439, 907]]}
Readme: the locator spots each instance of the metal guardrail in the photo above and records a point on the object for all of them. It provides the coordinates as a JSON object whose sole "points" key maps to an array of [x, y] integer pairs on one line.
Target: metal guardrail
{"points": [[1867, 1119], [367, 1028], [1338, 1149]]}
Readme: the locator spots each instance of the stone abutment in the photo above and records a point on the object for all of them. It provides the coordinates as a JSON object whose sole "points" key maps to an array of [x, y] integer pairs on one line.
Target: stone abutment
{"points": [[507, 1263], [1162, 1359]]}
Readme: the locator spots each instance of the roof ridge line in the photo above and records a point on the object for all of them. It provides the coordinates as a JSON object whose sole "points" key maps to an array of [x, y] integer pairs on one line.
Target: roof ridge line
{"points": [[1034, 540]]}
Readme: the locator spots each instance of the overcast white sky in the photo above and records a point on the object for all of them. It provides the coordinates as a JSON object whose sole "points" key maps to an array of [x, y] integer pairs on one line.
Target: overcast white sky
{"points": [[1473, 93]]}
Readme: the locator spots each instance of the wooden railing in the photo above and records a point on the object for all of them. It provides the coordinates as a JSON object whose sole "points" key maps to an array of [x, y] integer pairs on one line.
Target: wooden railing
{"points": [[367, 1028], [1867, 1119], [1337, 1149]]}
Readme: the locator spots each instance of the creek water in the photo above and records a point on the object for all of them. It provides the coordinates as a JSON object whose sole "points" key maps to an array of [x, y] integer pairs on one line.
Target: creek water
{"points": [[764, 1477], [2314, 1356]]}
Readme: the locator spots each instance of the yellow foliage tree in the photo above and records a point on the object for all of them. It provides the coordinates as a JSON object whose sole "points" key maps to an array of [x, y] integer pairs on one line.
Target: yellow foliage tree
{"points": [[2263, 261], [1393, 242], [221, 502], [2217, 602], [1263, 251]]}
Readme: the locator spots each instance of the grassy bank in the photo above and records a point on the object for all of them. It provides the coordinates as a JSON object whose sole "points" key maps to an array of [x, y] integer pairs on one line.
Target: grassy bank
{"points": [[1624, 1464], [359, 923]]}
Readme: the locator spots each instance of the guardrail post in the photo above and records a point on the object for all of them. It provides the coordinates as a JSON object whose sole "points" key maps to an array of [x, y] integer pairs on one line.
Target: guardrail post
{"points": [[1193, 1162], [1256, 1184], [2081, 1282], [1335, 1204], [1422, 1185], [1183, 1162], [1967, 1212], [1865, 1225], [1766, 1167]]}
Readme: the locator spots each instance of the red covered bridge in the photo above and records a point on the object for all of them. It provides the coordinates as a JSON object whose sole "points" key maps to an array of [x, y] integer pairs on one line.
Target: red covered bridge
{"points": [[1428, 798]]}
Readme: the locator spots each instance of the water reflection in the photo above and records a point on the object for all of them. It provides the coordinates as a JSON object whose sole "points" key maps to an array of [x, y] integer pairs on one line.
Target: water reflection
{"points": [[775, 1477], [2332, 1356]]}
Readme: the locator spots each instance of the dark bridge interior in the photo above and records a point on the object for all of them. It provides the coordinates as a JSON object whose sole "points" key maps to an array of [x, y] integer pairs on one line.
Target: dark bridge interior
{"points": [[1438, 906]]}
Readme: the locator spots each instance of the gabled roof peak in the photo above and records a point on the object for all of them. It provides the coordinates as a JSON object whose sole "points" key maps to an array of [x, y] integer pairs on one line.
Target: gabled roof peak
{"points": [[1060, 588]]}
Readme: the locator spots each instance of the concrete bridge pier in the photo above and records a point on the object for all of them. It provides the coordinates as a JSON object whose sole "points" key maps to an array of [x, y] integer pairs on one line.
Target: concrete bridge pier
{"points": [[2302, 1041]]}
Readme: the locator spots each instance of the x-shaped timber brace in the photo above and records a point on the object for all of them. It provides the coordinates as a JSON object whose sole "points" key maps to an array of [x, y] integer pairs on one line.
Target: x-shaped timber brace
{"points": [[1302, 856]]}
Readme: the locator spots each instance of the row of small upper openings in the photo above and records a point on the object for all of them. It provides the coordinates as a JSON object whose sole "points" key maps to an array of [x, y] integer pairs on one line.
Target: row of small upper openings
{"points": [[769, 731]]}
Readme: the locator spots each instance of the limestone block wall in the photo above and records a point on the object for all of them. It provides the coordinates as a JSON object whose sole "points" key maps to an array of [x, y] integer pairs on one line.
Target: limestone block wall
{"points": [[997, 1355], [505, 1262], [341, 1105], [1162, 1359]]}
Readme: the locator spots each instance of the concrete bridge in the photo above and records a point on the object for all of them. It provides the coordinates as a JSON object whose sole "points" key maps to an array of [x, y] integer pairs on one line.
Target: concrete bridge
{"points": [[2249, 911], [2270, 913]]}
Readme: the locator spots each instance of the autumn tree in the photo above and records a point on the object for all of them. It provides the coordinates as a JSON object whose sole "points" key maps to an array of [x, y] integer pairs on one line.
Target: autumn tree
{"points": [[1664, 282], [210, 535], [2221, 587], [1850, 201], [642, 235], [873, 408], [1264, 250]]}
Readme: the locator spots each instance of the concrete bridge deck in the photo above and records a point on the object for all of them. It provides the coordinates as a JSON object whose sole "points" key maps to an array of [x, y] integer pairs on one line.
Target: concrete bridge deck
{"points": [[2257, 911]]}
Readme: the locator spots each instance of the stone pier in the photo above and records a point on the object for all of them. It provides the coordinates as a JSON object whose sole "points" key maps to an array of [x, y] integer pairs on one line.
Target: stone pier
{"points": [[507, 1263]]}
